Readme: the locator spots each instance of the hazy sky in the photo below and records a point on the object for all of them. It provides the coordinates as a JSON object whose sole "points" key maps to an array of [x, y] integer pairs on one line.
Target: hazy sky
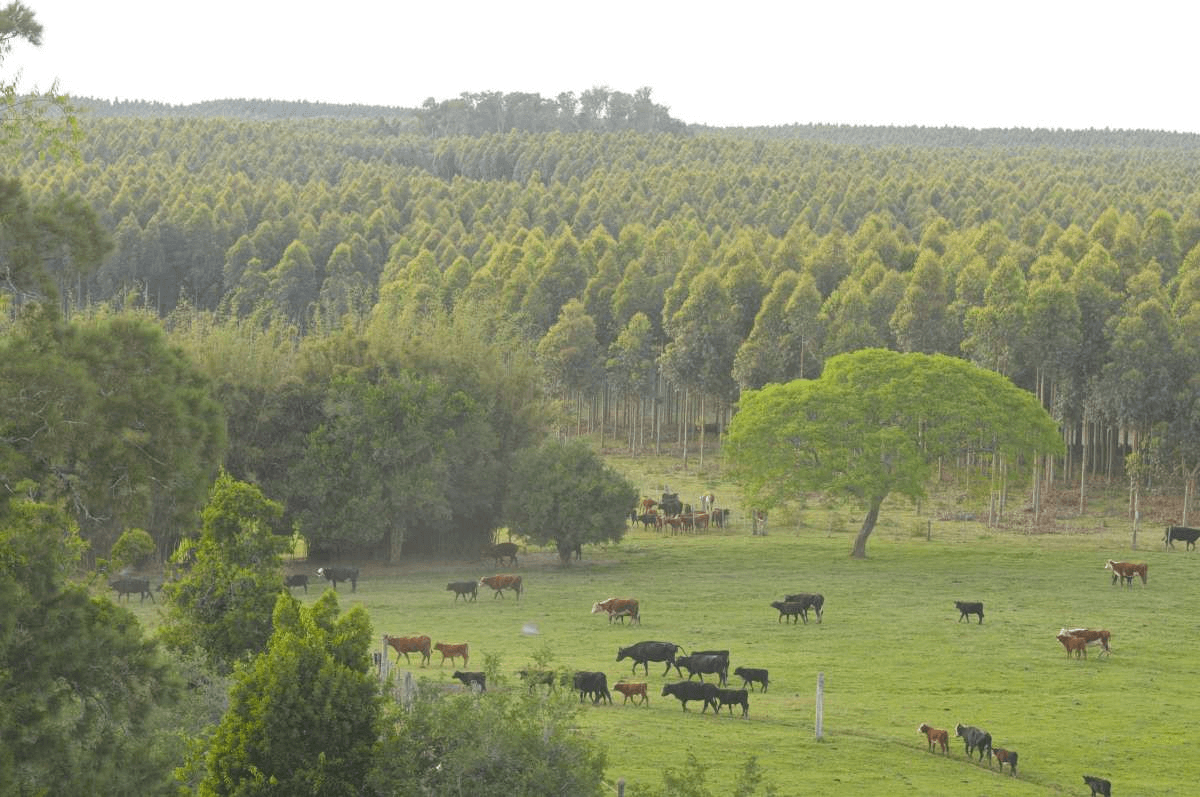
{"points": [[1053, 63]]}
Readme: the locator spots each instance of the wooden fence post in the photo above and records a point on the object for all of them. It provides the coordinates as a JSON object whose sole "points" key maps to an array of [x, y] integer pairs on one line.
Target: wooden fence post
{"points": [[820, 705]]}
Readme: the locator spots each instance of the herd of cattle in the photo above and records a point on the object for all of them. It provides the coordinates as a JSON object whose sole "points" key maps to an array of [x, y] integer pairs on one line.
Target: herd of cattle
{"points": [[671, 514]]}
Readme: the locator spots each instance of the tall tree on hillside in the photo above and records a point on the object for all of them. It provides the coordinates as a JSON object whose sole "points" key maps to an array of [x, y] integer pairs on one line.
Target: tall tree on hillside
{"points": [[995, 332], [875, 423], [766, 355], [921, 321], [632, 371]]}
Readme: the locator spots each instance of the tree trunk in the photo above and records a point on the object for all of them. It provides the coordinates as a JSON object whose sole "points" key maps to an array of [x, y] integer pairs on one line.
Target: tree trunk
{"points": [[868, 525]]}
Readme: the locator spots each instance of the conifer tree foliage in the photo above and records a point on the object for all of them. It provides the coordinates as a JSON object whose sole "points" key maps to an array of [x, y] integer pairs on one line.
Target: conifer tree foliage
{"points": [[303, 714]]}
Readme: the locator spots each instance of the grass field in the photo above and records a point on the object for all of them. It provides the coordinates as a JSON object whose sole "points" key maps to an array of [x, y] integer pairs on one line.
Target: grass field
{"points": [[891, 649]]}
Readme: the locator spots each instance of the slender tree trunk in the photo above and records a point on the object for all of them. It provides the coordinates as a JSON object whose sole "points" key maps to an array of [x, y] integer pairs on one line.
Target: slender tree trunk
{"points": [[868, 525]]}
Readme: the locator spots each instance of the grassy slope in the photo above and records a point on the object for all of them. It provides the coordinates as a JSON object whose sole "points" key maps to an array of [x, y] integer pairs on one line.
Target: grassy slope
{"points": [[891, 650]]}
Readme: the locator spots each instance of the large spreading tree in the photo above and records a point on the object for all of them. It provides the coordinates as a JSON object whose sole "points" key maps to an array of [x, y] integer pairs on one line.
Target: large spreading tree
{"points": [[877, 422]]}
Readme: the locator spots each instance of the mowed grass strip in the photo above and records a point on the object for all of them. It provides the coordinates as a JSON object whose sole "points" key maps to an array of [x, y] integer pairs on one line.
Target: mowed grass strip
{"points": [[891, 648]]}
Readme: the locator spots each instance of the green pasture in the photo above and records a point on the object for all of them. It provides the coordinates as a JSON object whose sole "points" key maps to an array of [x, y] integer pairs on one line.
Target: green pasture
{"points": [[891, 649]]}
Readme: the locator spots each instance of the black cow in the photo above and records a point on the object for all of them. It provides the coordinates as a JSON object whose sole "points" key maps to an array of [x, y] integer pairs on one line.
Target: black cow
{"points": [[791, 609], [594, 684], [734, 697], [501, 551], [297, 580], [687, 690], [751, 675], [719, 518], [966, 608], [463, 589], [472, 678], [671, 505], [644, 652], [132, 586], [712, 663], [336, 574], [535, 677], [1188, 535], [1098, 786], [811, 600], [975, 738]]}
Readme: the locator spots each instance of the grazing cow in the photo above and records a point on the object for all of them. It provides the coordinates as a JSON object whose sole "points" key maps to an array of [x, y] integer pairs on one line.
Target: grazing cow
{"points": [[472, 679], [1126, 570], [1007, 757], [463, 589], [733, 697], [336, 574], [1188, 535], [793, 610], [501, 551], [1074, 644], [618, 607], [644, 652], [1098, 786], [935, 736], [409, 644], [967, 608], [701, 663], [632, 690], [535, 677], [975, 739], [453, 652], [1099, 636], [501, 583], [810, 600], [594, 684], [750, 675], [687, 690], [297, 580], [132, 586]]}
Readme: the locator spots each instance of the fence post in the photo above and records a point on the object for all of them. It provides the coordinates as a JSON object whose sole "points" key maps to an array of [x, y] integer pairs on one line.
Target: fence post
{"points": [[820, 705], [620, 787]]}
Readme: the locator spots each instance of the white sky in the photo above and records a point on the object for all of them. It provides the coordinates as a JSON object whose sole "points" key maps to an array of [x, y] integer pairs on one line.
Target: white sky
{"points": [[1017, 63]]}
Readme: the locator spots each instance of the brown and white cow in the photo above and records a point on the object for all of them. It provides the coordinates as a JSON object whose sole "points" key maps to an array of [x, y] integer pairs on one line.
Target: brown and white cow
{"points": [[1126, 570], [936, 736], [1097, 636], [632, 690], [619, 607], [501, 583], [409, 644], [453, 652]]}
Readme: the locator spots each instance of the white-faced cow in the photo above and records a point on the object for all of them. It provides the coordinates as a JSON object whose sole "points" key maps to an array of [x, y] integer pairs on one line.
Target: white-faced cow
{"points": [[336, 574], [1126, 571], [618, 607], [501, 583]]}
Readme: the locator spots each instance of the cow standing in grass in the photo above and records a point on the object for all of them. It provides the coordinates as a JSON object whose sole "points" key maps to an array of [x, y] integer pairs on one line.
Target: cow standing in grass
{"points": [[936, 736], [967, 608], [1184, 533]]}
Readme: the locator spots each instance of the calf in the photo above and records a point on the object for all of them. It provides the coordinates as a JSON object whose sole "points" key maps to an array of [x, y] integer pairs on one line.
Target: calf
{"points": [[1099, 636], [810, 600], [501, 551], [1007, 757], [936, 736], [472, 679], [1188, 535], [594, 684], [336, 574], [791, 610], [733, 697], [464, 588], [975, 739], [296, 580], [1074, 644], [1098, 786], [132, 586], [452, 652], [1126, 571], [751, 675], [712, 663], [687, 690], [409, 644], [632, 690], [967, 608]]}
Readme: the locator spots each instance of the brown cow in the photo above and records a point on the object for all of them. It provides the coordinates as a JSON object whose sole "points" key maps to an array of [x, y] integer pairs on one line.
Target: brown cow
{"points": [[632, 690], [1073, 644], [619, 607], [501, 583], [452, 652], [1126, 570], [409, 644], [1099, 636], [1007, 757], [935, 736]]}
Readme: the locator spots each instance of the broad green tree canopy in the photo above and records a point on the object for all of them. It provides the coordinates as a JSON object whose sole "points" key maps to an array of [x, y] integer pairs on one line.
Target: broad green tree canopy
{"points": [[876, 423]]}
